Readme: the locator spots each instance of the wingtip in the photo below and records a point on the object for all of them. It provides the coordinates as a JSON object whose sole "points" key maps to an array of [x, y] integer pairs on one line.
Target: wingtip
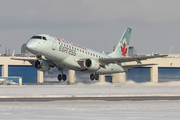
{"points": [[170, 50], [13, 54]]}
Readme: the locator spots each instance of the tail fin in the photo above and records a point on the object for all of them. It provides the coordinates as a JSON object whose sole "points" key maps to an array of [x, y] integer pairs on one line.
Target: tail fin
{"points": [[123, 45]]}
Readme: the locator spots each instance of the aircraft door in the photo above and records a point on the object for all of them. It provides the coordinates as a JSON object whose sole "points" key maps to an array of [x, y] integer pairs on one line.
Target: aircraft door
{"points": [[53, 43]]}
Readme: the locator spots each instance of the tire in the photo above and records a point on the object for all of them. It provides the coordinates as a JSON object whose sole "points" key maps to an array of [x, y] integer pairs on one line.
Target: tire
{"points": [[92, 77], [96, 76], [59, 77], [64, 77]]}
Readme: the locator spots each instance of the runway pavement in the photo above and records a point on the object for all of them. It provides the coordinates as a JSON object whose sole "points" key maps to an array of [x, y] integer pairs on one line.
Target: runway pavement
{"points": [[130, 98]]}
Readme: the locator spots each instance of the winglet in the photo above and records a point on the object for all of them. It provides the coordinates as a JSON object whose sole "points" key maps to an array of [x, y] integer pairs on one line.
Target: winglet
{"points": [[170, 50], [13, 54]]}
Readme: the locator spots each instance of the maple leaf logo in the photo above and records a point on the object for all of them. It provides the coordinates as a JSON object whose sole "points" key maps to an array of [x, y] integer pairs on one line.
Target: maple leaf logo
{"points": [[124, 50]]}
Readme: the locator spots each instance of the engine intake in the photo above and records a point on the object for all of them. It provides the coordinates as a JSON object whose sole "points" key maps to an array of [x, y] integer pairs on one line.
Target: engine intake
{"points": [[41, 65], [91, 64]]}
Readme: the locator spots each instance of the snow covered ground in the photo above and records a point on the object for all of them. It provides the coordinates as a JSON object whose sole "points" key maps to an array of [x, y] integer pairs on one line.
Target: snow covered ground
{"points": [[89, 109], [128, 88]]}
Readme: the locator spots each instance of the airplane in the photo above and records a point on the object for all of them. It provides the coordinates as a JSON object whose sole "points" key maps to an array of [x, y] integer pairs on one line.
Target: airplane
{"points": [[55, 52]]}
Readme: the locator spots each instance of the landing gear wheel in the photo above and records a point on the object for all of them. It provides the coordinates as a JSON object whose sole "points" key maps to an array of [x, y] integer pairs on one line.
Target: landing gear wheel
{"points": [[96, 76], [92, 77], [64, 77], [59, 77]]}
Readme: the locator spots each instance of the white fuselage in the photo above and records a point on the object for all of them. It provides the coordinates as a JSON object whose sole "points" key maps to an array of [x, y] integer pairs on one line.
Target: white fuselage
{"points": [[64, 54]]}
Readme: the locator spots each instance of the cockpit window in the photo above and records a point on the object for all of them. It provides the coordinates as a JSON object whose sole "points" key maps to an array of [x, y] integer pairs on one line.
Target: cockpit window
{"points": [[44, 38], [39, 37], [36, 37]]}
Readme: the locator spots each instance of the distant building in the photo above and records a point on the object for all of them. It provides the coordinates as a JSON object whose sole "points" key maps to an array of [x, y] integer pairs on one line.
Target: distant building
{"points": [[131, 51]]}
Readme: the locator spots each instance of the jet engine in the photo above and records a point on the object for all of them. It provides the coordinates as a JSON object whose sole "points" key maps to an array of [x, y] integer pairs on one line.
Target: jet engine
{"points": [[91, 64], [41, 65]]}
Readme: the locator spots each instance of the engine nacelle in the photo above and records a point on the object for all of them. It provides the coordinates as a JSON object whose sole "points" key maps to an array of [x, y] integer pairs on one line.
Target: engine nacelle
{"points": [[41, 65], [91, 64]]}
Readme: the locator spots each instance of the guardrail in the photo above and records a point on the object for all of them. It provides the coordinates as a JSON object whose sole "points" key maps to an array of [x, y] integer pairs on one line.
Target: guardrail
{"points": [[14, 80]]}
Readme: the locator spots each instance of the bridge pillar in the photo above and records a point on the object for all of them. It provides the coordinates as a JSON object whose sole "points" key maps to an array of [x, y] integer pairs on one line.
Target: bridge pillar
{"points": [[39, 76], [5, 70], [154, 74], [72, 77], [101, 78], [20, 80], [119, 78]]}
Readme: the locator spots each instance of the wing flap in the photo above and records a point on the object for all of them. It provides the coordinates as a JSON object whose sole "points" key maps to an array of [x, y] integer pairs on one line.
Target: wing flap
{"points": [[23, 59], [138, 65]]}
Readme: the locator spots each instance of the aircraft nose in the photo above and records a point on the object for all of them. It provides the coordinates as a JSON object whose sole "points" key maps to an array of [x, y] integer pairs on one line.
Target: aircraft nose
{"points": [[29, 45]]}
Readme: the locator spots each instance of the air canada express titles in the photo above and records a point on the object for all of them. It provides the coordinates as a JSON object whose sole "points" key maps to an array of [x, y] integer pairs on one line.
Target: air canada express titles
{"points": [[67, 50], [70, 50]]}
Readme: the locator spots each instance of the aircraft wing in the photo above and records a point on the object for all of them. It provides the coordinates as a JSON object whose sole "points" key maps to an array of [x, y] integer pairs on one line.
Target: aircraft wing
{"points": [[106, 61], [29, 60], [127, 59], [51, 63]]}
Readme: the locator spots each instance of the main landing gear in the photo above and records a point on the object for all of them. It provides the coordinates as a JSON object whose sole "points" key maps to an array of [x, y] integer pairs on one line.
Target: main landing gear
{"points": [[62, 76], [94, 76]]}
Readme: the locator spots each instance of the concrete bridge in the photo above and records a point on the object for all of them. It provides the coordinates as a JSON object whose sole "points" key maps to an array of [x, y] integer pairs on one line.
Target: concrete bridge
{"points": [[8, 68]]}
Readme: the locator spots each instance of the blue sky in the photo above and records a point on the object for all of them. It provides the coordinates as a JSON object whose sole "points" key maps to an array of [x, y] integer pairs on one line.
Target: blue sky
{"points": [[96, 24]]}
